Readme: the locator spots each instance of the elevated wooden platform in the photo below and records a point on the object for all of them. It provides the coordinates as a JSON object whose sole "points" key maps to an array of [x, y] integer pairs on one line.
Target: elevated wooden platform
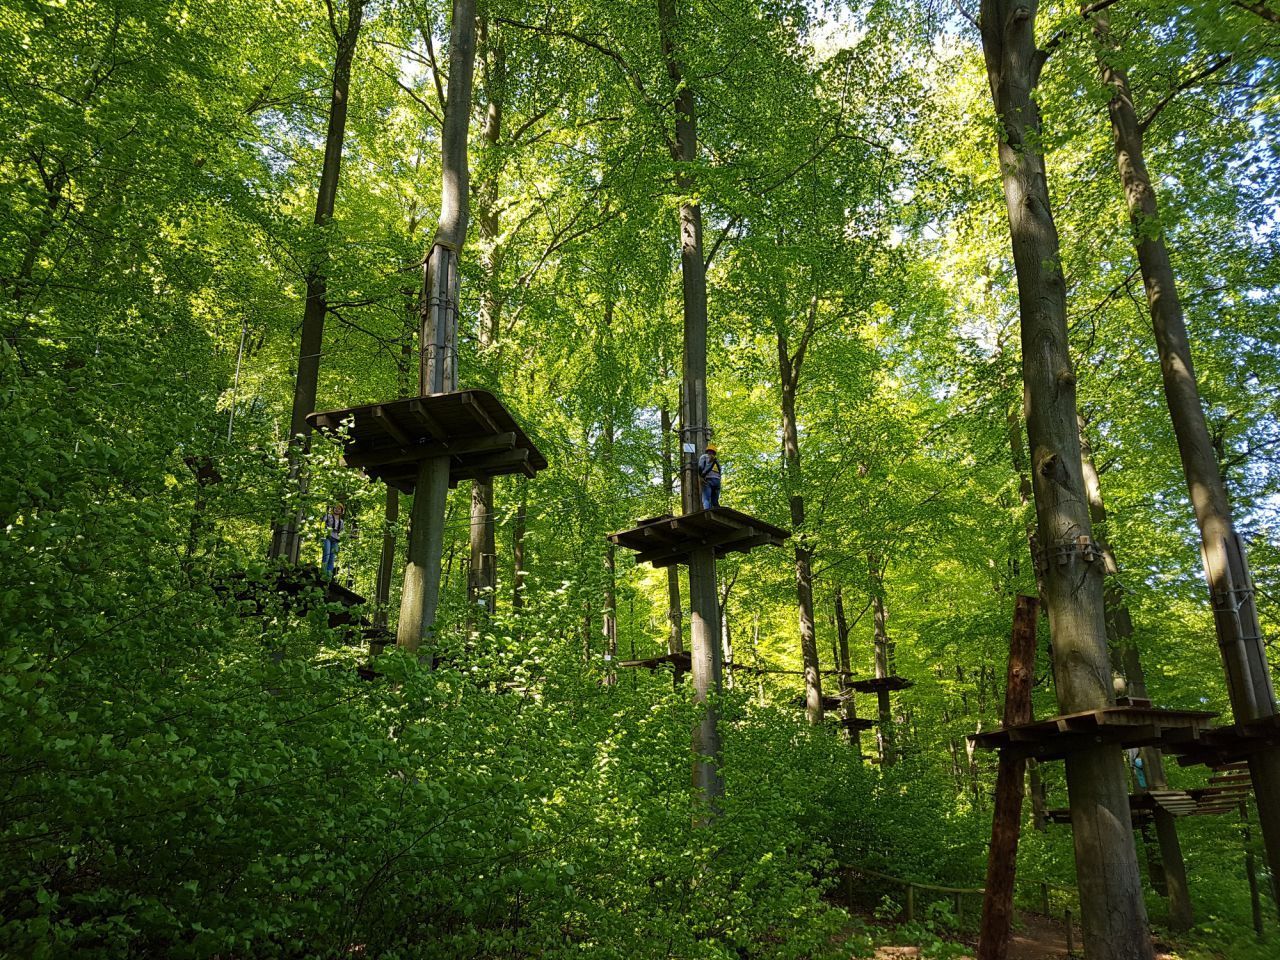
{"points": [[387, 441], [1196, 802], [682, 662], [857, 723], [829, 702], [1056, 737], [881, 684], [668, 539], [1230, 746]]}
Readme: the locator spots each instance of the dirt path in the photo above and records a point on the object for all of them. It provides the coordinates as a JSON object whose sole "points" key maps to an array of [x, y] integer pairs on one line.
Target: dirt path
{"points": [[1035, 938]]}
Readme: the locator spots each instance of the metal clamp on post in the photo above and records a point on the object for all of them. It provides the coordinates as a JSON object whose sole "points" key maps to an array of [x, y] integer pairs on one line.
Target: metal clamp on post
{"points": [[1063, 551]]}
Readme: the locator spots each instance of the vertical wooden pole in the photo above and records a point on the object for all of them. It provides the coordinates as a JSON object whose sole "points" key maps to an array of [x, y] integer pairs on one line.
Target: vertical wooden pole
{"points": [[911, 903], [846, 673], [1251, 867], [437, 338], [1112, 907], [1006, 817], [694, 430]]}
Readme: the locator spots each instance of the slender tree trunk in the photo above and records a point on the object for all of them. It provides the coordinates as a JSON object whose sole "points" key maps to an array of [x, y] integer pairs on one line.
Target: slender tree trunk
{"points": [[704, 625], [1120, 636], [610, 615], [1006, 816], [789, 371], [286, 540], [438, 336], [850, 707], [880, 622], [482, 575], [1226, 564], [675, 618], [1113, 914], [517, 553]]}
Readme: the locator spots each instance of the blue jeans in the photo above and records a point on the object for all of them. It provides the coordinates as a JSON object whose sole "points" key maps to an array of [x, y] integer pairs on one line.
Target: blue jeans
{"points": [[330, 552], [710, 492]]}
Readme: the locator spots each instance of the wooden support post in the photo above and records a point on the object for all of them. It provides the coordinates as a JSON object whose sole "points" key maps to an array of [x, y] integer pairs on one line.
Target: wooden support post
{"points": [[421, 594], [848, 889], [704, 634], [1044, 898], [1006, 817], [386, 562], [437, 336], [911, 903], [1071, 933], [1251, 868]]}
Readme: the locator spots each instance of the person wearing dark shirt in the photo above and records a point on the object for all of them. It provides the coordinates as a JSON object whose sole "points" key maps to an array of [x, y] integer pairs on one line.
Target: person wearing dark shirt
{"points": [[332, 535], [709, 472]]}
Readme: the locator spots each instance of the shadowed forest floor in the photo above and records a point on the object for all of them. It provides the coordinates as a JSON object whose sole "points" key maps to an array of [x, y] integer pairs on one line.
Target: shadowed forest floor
{"points": [[1036, 938]]}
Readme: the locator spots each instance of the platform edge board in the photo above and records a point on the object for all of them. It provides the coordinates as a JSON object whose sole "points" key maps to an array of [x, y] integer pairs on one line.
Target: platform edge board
{"points": [[1054, 737]]}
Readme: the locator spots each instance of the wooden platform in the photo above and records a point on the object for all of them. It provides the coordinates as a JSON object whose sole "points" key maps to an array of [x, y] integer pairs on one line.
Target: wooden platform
{"points": [[1196, 802], [857, 723], [668, 539], [1224, 747], [829, 702], [1056, 737], [387, 441], [881, 684], [682, 662]]}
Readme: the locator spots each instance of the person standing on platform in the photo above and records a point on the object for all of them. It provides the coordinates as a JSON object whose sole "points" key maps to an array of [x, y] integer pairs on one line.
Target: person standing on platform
{"points": [[709, 472], [333, 527]]}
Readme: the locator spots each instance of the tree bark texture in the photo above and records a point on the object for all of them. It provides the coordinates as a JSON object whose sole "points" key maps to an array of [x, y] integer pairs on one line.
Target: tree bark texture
{"points": [[482, 575], [1226, 564], [789, 368], [1113, 914], [850, 707], [675, 616], [1120, 637], [880, 625], [1006, 816], [286, 540], [438, 336], [704, 634]]}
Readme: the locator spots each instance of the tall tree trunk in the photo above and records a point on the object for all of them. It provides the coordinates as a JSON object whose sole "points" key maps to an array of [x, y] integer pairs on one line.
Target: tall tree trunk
{"points": [[1226, 564], [675, 618], [517, 552], [789, 372], [850, 707], [438, 333], [1113, 914], [610, 615], [880, 624], [1120, 636], [704, 624], [286, 540], [482, 575], [1006, 815]]}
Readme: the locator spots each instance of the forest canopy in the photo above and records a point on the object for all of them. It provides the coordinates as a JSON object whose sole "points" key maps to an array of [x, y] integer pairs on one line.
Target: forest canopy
{"points": [[218, 219]]}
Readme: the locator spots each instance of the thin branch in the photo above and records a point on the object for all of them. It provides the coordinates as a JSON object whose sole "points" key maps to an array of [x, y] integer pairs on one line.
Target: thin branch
{"points": [[420, 101], [435, 68], [1187, 84], [1259, 9], [1085, 13], [729, 228]]}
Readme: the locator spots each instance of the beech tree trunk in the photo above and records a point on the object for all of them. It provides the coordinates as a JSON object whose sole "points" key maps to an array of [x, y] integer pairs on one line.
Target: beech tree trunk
{"points": [[1226, 564], [850, 707], [482, 572], [286, 540], [437, 337], [704, 624], [789, 368], [880, 618], [517, 552], [675, 617], [1113, 914], [1120, 636]]}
